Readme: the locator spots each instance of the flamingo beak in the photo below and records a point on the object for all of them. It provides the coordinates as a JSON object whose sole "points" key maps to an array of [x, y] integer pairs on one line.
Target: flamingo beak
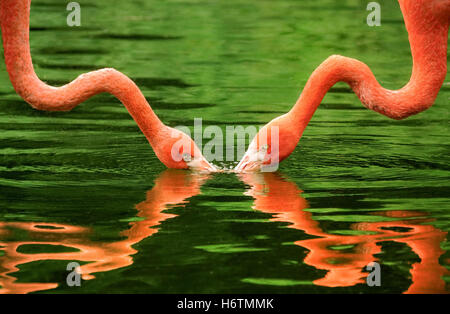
{"points": [[247, 164], [242, 165], [207, 166], [201, 164], [250, 162], [253, 160]]}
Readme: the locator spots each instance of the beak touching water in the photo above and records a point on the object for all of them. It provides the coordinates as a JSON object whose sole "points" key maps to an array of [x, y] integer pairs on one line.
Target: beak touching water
{"points": [[253, 160], [199, 163], [206, 166]]}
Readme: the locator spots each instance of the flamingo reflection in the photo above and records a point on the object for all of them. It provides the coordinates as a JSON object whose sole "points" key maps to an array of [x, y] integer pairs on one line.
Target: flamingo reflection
{"points": [[345, 257], [172, 188]]}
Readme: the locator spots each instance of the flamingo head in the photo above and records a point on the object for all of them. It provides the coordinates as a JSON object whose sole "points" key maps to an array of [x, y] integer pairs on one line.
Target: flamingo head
{"points": [[256, 158], [273, 143], [177, 150]]}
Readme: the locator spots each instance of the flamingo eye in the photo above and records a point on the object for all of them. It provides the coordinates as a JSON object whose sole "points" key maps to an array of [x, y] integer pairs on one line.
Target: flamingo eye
{"points": [[187, 157], [264, 148]]}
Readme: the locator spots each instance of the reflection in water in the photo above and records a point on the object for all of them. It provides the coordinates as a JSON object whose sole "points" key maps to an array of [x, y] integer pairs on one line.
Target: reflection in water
{"points": [[171, 188], [272, 194], [345, 268]]}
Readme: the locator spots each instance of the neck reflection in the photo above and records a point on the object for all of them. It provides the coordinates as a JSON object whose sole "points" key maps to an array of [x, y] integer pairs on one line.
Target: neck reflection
{"points": [[172, 188], [272, 194], [275, 195]]}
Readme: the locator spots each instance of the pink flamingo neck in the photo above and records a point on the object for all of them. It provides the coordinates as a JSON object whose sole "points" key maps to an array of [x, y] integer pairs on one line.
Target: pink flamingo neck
{"points": [[15, 21], [428, 36]]}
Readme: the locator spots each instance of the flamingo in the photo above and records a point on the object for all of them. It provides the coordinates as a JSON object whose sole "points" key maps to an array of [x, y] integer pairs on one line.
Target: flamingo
{"points": [[173, 148], [427, 23]]}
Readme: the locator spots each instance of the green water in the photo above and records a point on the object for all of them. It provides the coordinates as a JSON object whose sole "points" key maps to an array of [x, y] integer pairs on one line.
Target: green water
{"points": [[85, 186]]}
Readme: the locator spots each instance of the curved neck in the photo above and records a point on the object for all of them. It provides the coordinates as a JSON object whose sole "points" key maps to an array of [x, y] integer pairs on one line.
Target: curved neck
{"points": [[428, 38], [15, 18]]}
